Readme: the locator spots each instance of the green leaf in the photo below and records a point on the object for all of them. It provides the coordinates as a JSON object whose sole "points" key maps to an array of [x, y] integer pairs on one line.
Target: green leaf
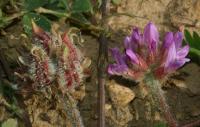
{"points": [[1, 13], [64, 3], [196, 39], [116, 2], [195, 51], [189, 38], [78, 17], [52, 1], [194, 43], [26, 20], [194, 54], [33, 4], [57, 5], [40, 20], [81, 6], [160, 124], [10, 123]]}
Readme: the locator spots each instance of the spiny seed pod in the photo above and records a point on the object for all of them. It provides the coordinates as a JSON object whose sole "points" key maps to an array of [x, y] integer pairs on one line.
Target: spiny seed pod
{"points": [[69, 69], [42, 69], [65, 55], [43, 36]]}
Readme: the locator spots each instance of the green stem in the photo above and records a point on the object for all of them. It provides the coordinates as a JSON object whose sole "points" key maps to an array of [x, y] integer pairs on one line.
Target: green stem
{"points": [[14, 16], [126, 14], [9, 19], [48, 11]]}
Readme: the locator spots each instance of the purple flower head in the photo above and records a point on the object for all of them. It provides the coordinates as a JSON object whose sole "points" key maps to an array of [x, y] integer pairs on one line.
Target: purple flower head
{"points": [[174, 53], [143, 54]]}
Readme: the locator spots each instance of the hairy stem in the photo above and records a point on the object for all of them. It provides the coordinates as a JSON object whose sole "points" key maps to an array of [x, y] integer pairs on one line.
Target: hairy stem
{"points": [[72, 110], [172, 122], [166, 110], [158, 94]]}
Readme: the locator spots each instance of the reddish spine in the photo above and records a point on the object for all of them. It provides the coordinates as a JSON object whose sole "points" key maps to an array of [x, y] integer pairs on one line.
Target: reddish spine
{"points": [[72, 58]]}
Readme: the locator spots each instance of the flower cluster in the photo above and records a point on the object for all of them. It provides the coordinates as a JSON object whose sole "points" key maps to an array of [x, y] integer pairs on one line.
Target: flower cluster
{"points": [[144, 53], [56, 58]]}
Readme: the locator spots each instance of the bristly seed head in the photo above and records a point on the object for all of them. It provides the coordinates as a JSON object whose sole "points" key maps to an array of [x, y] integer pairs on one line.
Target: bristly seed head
{"points": [[66, 67], [42, 69]]}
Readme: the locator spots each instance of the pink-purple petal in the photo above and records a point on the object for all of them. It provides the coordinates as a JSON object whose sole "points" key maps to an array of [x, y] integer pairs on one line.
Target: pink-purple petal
{"points": [[182, 53], [178, 38], [133, 41], [151, 36], [170, 55], [117, 56], [120, 66], [132, 56], [168, 40], [128, 43], [177, 64], [136, 36], [116, 69]]}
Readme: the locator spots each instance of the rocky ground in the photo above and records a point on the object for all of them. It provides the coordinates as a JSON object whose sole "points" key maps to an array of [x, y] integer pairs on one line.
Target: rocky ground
{"points": [[127, 103]]}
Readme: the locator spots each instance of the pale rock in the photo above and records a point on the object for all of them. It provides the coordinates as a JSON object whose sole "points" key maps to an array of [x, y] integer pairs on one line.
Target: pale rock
{"points": [[108, 107], [119, 116], [179, 83], [79, 94], [120, 95], [178, 10], [157, 116], [40, 123]]}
